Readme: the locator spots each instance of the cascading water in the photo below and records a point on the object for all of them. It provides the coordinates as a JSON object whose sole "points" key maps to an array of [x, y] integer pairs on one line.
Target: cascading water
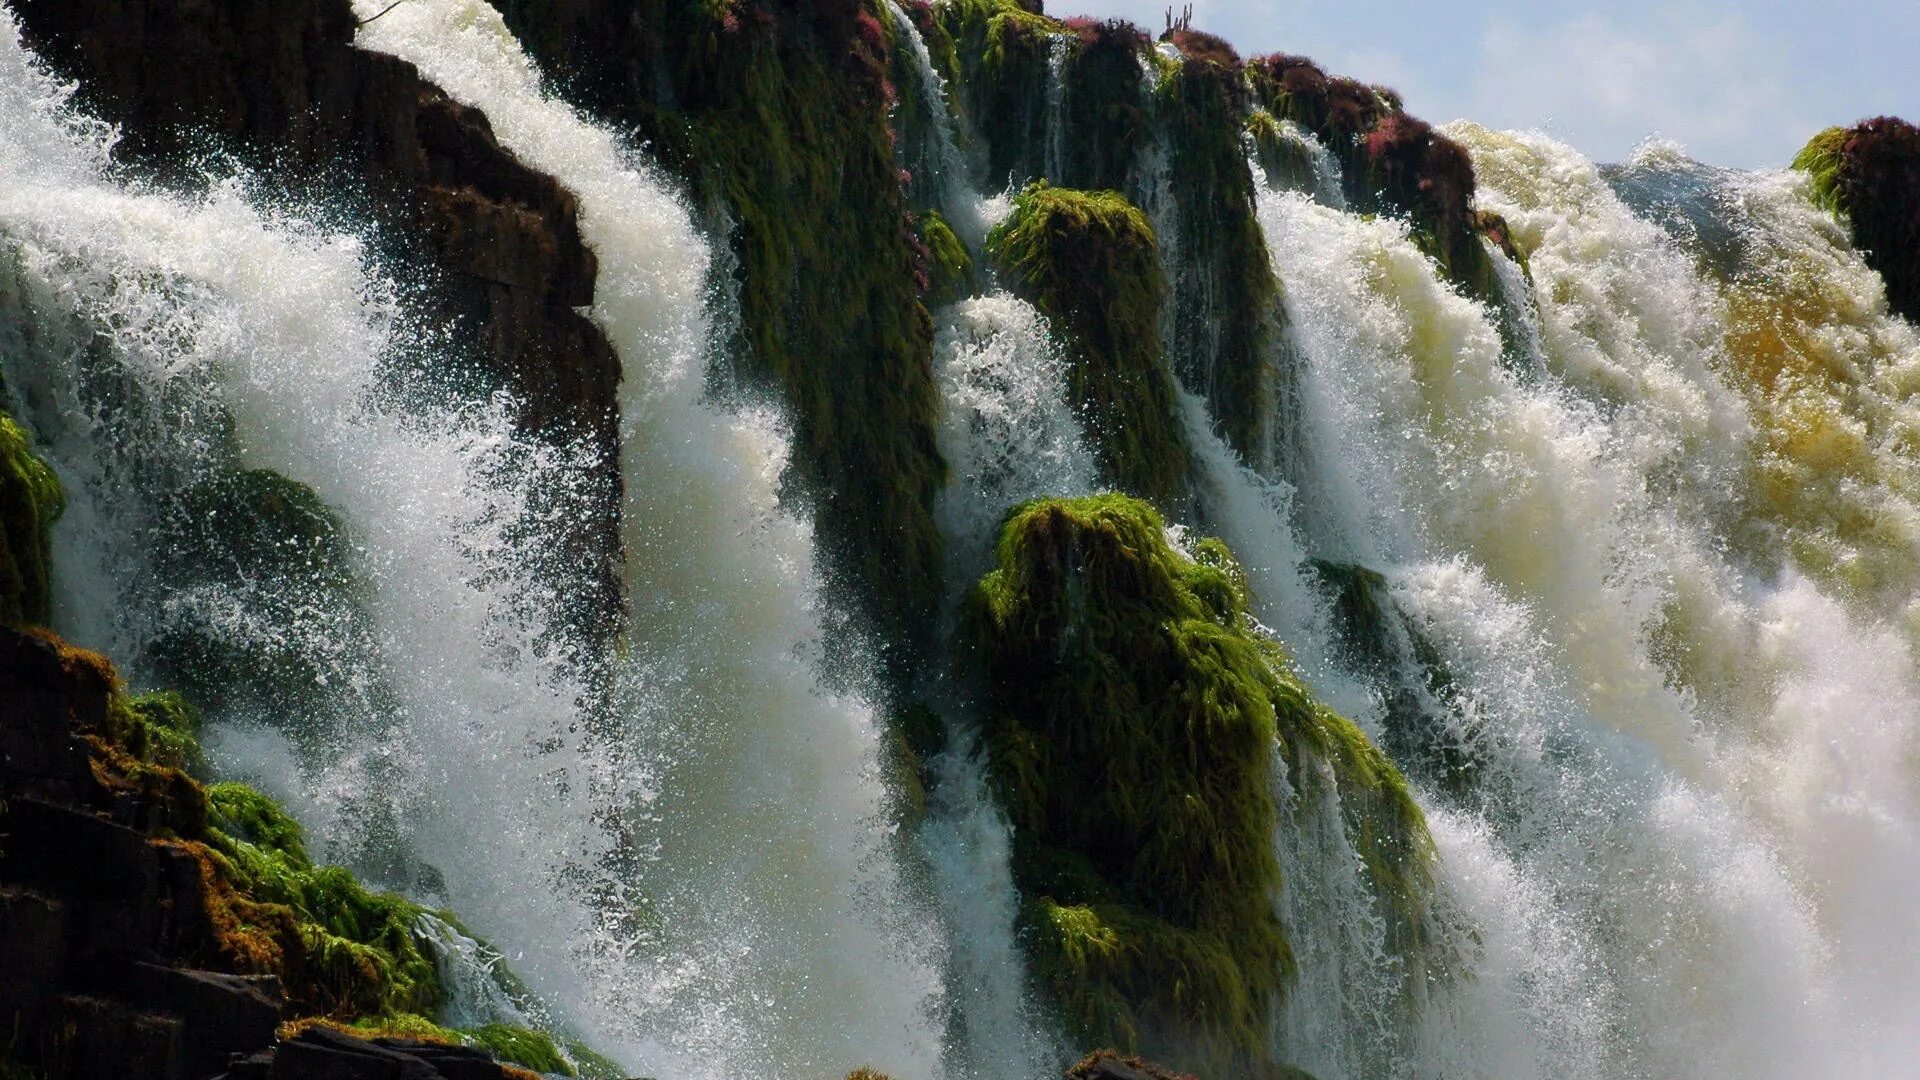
{"points": [[170, 341], [1631, 687], [760, 923]]}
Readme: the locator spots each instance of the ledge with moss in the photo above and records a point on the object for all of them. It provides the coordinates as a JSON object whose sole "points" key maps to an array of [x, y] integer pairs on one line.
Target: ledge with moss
{"points": [[1132, 712], [155, 925], [1391, 162], [1869, 174], [1090, 262], [1228, 320], [1002, 50], [30, 501], [775, 116]]}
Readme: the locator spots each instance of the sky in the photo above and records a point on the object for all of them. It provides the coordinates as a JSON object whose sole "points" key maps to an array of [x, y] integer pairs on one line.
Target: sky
{"points": [[1740, 85]]}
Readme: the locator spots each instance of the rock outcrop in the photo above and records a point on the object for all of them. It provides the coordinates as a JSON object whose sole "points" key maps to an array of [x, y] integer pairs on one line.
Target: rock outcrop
{"points": [[1870, 173], [280, 87], [1131, 712], [137, 938], [775, 115]]}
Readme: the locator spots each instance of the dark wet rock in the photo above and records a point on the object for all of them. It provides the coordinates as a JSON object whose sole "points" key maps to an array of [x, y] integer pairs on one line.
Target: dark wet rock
{"points": [[281, 88], [1870, 173]]}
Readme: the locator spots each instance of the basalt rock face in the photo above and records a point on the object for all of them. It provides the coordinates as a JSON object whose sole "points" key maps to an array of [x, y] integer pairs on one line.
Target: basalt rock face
{"points": [[775, 115], [1871, 174], [105, 937], [133, 940], [280, 87]]}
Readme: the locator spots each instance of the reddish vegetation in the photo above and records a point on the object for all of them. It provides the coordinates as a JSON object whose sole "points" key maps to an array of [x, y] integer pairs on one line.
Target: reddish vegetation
{"points": [[1336, 109], [1881, 190], [1204, 47], [1107, 33]]}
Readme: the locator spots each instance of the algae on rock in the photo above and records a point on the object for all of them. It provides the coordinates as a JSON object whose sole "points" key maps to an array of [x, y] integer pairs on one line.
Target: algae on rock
{"points": [[1227, 320], [1134, 716], [1090, 262], [30, 501]]}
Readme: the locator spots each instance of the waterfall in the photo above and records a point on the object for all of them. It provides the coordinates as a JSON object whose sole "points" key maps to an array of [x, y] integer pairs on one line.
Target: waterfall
{"points": [[1053, 157], [1636, 538], [162, 342], [763, 924], [1646, 868], [934, 157]]}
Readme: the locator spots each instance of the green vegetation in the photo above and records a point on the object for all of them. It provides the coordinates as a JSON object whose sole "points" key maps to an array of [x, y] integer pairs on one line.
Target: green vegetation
{"points": [[1002, 49], [1824, 161], [1132, 710], [1227, 315], [30, 501], [1869, 174], [775, 116], [1108, 117], [346, 955], [1090, 262], [949, 267]]}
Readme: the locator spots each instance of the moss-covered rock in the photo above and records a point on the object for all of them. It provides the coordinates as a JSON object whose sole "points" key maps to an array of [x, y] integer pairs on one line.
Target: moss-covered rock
{"points": [[1107, 115], [1133, 710], [257, 535], [1391, 162], [1227, 318], [30, 501], [1090, 262], [1870, 174], [945, 265], [1337, 110], [1003, 49], [775, 114]]}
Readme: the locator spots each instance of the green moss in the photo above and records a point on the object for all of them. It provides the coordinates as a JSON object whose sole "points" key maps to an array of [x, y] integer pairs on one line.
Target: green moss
{"points": [[1284, 162], [775, 118], [1824, 161], [404, 1026], [1132, 712], [1227, 316], [950, 273], [1002, 50], [1090, 262], [1107, 116], [245, 814], [30, 501], [592, 1066], [1131, 726], [521, 1046], [163, 728]]}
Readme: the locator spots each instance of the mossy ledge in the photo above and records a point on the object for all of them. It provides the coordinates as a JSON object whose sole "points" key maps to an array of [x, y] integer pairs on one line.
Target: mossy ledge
{"points": [[1870, 175], [1132, 711], [196, 902], [775, 116], [1227, 316], [1090, 262], [30, 501]]}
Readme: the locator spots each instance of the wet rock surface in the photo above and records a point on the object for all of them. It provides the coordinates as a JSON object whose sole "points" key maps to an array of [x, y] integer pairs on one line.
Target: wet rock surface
{"points": [[280, 88], [110, 959]]}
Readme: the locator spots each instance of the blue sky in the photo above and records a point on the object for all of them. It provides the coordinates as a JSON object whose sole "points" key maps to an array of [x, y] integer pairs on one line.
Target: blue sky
{"points": [[1737, 85]]}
